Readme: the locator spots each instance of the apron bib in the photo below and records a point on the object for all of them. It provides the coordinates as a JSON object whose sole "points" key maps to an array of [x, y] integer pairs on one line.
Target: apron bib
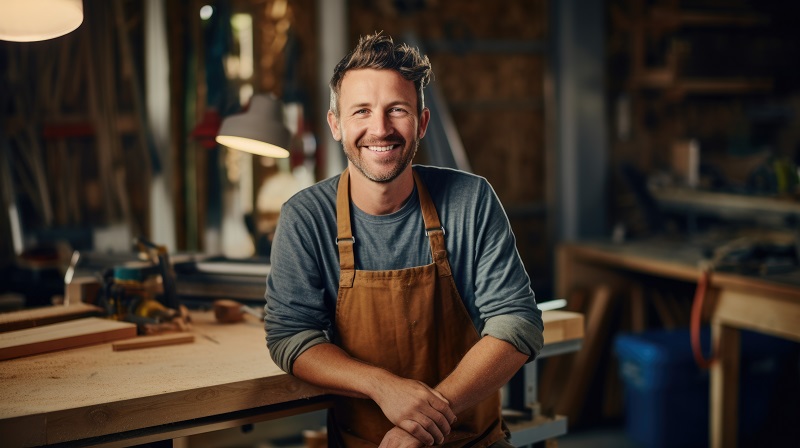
{"points": [[410, 322]]}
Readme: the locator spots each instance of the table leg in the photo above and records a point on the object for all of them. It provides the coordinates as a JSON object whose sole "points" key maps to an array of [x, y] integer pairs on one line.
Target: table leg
{"points": [[725, 386]]}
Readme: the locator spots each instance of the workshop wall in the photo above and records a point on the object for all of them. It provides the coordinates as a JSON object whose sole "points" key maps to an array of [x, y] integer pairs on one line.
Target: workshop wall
{"points": [[490, 63], [74, 152], [722, 74]]}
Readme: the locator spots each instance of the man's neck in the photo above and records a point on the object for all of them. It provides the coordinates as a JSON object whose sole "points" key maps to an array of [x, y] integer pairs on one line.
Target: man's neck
{"points": [[380, 198]]}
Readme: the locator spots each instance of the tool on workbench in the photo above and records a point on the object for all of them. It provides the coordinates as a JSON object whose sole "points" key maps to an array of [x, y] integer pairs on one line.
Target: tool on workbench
{"points": [[132, 292], [228, 311]]}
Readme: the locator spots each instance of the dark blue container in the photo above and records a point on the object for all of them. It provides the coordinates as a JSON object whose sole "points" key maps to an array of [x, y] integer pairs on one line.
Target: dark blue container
{"points": [[667, 395]]}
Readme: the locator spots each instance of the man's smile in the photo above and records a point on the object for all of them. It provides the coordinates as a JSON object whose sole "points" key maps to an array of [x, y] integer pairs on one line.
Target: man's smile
{"points": [[381, 148]]}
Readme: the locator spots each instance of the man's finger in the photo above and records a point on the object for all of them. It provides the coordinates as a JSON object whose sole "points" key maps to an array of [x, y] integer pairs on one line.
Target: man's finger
{"points": [[443, 409], [439, 420], [421, 433]]}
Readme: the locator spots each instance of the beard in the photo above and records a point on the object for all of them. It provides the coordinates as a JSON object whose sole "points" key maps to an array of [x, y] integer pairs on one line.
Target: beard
{"points": [[391, 168]]}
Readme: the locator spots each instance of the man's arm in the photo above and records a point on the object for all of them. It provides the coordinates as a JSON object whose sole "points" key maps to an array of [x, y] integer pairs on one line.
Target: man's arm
{"points": [[411, 405], [486, 367]]}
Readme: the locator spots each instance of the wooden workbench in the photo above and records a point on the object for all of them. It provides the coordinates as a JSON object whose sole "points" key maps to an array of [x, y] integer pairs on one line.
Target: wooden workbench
{"points": [[225, 379], [770, 305]]}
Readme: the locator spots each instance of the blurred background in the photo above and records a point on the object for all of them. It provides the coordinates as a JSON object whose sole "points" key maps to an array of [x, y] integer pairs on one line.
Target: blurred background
{"points": [[570, 109], [596, 119]]}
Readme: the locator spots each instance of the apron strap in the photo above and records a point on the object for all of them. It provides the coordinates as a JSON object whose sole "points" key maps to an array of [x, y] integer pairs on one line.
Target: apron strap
{"points": [[433, 228], [344, 238]]}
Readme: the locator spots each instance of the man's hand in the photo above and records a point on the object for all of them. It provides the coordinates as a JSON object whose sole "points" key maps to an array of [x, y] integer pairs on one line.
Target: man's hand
{"points": [[415, 408], [397, 438]]}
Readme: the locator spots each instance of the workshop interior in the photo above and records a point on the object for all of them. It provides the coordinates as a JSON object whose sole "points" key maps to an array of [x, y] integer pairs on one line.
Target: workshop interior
{"points": [[646, 152]]}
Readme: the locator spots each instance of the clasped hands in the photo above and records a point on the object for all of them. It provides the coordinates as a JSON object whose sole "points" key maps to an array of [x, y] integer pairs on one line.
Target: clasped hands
{"points": [[421, 415]]}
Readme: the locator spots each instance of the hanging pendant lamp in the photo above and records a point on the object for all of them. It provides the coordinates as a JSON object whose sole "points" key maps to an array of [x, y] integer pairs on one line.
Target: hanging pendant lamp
{"points": [[259, 130], [32, 20]]}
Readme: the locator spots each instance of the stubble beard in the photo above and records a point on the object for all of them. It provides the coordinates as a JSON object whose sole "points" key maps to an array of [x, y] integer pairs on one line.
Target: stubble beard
{"points": [[354, 156]]}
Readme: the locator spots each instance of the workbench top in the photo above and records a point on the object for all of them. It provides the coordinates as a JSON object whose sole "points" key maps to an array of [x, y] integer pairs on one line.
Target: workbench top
{"points": [[91, 392], [679, 260]]}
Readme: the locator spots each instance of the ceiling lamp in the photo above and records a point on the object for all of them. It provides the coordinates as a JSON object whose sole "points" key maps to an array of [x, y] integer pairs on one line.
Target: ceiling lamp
{"points": [[32, 20], [259, 130]]}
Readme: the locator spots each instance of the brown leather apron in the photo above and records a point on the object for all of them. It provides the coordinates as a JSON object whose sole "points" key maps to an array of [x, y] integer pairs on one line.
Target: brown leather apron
{"points": [[410, 322]]}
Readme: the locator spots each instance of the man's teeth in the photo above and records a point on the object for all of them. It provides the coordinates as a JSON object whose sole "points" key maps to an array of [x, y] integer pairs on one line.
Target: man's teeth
{"points": [[380, 148]]}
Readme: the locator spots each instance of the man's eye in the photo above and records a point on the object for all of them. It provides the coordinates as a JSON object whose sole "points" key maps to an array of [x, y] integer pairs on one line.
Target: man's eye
{"points": [[397, 111], [361, 112]]}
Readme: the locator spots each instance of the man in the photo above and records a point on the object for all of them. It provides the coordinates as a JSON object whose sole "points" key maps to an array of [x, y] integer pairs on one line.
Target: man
{"points": [[398, 289]]}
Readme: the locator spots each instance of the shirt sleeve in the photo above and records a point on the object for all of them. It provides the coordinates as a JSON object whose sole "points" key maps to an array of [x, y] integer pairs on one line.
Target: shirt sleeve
{"points": [[503, 293], [296, 315]]}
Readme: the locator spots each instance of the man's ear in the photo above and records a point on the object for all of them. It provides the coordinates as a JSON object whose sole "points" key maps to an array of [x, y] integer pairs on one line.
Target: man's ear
{"points": [[424, 119], [333, 123]]}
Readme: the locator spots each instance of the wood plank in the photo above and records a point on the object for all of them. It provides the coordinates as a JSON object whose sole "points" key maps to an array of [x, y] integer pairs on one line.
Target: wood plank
{"points": [[774, 315], [638, 308], [555, 370], [587, 358], [36, 317], [26, 431], [64, 335], [82, 289], [157, 340], [172, 384], [562, 326], [663, 310]]}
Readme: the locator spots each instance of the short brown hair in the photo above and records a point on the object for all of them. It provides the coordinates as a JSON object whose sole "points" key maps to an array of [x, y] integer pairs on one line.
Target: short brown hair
{"points": [[379, 52]]}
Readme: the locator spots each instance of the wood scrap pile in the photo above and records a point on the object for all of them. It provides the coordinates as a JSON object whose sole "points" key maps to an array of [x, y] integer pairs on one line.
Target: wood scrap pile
{"points": [[36, 331]]}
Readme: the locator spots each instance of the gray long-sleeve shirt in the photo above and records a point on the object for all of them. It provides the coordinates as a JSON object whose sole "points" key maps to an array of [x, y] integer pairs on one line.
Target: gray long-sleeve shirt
{"points": [[489, 275]]}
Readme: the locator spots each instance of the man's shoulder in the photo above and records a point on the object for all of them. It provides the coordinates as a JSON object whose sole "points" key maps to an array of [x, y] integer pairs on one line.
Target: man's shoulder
{"points": [[444, 175], [449, 182]]}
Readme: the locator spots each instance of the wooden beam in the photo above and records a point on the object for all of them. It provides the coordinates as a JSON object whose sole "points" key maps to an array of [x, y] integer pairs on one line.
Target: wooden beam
{"points": [[587, 359], [776, 316], [157, 340], [64, 335]]}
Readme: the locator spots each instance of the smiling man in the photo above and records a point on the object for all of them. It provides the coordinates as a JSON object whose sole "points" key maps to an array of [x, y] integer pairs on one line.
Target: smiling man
{"points": [[399, 289]]}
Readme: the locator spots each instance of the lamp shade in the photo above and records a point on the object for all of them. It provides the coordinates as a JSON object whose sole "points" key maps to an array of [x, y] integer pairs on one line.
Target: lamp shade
{"points": [[259, 130], [32, 20]]}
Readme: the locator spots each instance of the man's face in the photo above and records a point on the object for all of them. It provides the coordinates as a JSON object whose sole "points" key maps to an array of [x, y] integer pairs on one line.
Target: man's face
{"points": [[378, 123]]}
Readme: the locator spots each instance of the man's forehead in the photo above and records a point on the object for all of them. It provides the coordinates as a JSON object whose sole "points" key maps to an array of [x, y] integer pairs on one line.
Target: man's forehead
{"points": [[359, 84]]}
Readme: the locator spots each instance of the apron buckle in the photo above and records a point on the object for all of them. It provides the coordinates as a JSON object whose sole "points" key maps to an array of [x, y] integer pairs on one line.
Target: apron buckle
{"points": [[352, 239], [435, 229]]}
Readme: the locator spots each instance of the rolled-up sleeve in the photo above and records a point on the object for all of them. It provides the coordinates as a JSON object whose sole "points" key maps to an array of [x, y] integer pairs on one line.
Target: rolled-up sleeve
{"points": [[523, 334], [296, 315], [503, 295]]}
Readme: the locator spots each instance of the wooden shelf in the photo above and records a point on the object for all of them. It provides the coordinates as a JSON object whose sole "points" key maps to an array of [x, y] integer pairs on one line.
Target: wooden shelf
{"points": [[723, 204], [666, 80]]}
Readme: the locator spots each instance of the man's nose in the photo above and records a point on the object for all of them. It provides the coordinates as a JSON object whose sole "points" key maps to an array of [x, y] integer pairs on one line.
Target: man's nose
{"points": [[380, 125]]}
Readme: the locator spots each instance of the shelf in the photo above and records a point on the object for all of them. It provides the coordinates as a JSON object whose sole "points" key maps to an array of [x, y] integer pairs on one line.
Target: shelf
{"points": [[664, 79], [538, 429], [724, 204]]}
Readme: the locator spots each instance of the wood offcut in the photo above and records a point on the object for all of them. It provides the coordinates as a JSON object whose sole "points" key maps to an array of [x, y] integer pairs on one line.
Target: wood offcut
{"points": [[64, 335], [158, 340]]}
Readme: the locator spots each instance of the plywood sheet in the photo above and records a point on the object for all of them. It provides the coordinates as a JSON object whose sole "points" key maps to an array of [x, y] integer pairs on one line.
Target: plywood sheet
{"points": [[64, 335]]}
